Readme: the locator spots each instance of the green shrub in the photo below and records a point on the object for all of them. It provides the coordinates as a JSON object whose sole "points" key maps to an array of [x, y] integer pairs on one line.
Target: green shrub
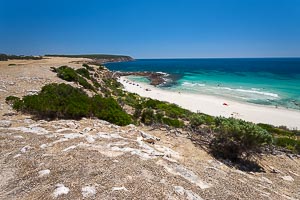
{"points": [[11, 100], [199, 119], [66, 102], [85, 84], [108, 109], [57, 101], [95, 83], [170, 110], [83, 72], [88, 67], [288, 143], [148, 116], [280, 131], [236, 138], [68, 74], [173, 122]]}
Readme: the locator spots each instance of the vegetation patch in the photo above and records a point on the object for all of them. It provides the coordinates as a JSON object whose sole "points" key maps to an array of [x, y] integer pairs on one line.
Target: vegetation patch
{"points": [[236, 139], [68, 74], [4, 57], [288, 143], [84, 72], [66, 102], [88, 67]]}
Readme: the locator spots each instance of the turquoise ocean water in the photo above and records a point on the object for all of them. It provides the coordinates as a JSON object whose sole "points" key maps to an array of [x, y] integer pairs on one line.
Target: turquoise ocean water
{"points": [[267, 81]]}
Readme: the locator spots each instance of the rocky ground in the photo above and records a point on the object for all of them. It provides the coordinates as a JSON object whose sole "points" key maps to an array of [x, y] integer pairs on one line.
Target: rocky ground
{"points": [[93, 159]]}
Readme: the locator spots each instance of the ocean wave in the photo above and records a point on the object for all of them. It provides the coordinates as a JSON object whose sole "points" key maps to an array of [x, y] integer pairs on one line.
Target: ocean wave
{"points": [[192, 84], [163, 73], [250, 91]]}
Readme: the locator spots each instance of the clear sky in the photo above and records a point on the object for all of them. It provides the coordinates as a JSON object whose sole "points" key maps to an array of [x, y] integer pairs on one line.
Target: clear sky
{"points": [[152, 28]]}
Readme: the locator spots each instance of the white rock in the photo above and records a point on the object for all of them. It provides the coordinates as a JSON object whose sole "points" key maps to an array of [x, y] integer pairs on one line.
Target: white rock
{"points": [[180, 170], [26, 148], [17, 155], [264, 179], [72, 125], [90, 139], [87, 129], [179, 190], [60, 190], [119, 188], [69, 148], [288, 178], [188, 193], [44, 172], [88, 191], [18, 136], [148, 136], [5, 123], [131, 126], [43, 146]]}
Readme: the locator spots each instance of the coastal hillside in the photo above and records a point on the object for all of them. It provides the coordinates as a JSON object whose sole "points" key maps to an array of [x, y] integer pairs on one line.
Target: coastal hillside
{"points": [[98, 58], [130, 148]]}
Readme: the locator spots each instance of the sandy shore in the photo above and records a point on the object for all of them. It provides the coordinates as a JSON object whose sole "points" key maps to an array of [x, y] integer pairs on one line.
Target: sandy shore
{"points": [[214, 105]]}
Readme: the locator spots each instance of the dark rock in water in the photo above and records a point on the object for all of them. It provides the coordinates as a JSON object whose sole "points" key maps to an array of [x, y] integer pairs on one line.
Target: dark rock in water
{"points": [[154, 77]]}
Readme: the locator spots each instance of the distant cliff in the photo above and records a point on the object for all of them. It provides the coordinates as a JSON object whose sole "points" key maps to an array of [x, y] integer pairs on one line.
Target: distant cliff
{"points": [[98, 58]]}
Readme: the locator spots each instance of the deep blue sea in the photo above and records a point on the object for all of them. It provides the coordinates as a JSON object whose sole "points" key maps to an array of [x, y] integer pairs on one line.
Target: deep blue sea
{"points": [[267, 81]]}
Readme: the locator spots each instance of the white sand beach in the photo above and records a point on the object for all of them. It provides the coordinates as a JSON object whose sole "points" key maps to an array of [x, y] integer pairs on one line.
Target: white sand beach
{"points": [[215, 105]]}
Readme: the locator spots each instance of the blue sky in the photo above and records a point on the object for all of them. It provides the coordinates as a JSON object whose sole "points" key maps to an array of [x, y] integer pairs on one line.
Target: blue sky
{"points": [[152, 28]]}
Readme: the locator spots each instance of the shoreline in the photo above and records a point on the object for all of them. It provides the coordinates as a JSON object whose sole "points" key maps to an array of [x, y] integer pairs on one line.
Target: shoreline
{"points": [[214, 106]]}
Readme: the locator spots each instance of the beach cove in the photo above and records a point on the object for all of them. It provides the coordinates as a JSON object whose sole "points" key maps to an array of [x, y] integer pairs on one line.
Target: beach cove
{"points": [[217, 106]]}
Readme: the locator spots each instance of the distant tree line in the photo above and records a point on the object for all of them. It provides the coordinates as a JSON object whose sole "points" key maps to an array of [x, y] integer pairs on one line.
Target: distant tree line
{"points": [[5, 57], [93, 56]]}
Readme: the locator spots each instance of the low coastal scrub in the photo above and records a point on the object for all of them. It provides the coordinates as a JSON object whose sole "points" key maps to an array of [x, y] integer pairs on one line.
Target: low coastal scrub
{"points": [[88, 67], [66, 102], [68, 74], [84, 72], [236, 138], [288, 143], [227, 138], [108, 109], [4, 57]]}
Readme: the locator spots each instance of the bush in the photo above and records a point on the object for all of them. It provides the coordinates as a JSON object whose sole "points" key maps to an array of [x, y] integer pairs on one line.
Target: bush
{"points": [[288, 143], [68, 74], [280, 131], [173, 122], [236, 138], [66, 102], [88, 67], [108, 109], [11, 100], [56, 101], [148, 117], [83, 72], [197, 120], [170, 110], [85, 84]]}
